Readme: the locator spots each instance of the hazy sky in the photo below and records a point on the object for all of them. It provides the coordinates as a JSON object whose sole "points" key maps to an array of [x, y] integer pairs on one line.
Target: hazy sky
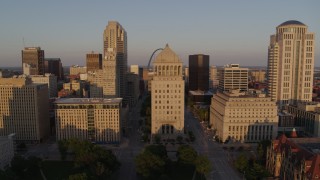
{"points": [[229, 31]]}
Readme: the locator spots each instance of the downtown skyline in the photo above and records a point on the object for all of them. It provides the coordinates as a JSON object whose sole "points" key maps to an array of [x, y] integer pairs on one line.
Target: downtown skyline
{"points": [[230, 32]]}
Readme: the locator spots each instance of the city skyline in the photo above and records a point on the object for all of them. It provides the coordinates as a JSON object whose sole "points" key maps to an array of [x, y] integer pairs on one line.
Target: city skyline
{"points": [[230, 32]]}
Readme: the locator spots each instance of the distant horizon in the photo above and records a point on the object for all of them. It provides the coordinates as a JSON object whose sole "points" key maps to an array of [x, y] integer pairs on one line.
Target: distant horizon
{"points": [[227, 31]]}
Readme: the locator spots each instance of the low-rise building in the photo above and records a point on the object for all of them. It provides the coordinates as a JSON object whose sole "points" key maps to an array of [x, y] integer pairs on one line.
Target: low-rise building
{"points": [[76, 70], [75, 86], [307, 115], [94, 119], [245, 116]]}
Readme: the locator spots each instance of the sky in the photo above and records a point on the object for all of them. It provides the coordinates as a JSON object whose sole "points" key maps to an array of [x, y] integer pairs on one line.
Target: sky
{"points": [[230, 31]]}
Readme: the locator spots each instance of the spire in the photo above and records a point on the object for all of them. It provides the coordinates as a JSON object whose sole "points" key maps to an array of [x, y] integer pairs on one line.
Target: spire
{"points": [[293, 133]]}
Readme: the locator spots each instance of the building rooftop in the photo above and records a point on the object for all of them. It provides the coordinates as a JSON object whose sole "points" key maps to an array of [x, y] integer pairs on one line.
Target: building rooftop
{"points": [[292, 22], [88, 101], [167, 56]]}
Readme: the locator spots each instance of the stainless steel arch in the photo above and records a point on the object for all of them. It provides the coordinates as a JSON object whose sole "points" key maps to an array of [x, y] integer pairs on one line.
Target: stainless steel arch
{"points": [[152, 56]]}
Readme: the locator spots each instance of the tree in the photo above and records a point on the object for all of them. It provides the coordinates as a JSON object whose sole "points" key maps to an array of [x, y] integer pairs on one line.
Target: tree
{"points": [[186, 154], [63, 148], [241, 163], [179, 139], [158, 150], [157, 138], [149, 165], [203, 165], [79, 176]]}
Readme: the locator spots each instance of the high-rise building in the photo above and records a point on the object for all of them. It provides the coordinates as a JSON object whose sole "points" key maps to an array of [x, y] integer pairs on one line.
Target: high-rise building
{"points": [[167, 94], [214, 78], [291, 63], [54, 66], [133, 91], [135, 69], [24, 108], [50, 80], [94, 61], [76, 70], [233, 77], [115, 60], [94, 119], [198, 72], [243, 116], [34, 56]]}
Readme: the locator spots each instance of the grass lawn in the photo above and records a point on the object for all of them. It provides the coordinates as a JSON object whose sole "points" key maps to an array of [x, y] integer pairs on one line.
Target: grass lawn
{"points": [[58, 170]]}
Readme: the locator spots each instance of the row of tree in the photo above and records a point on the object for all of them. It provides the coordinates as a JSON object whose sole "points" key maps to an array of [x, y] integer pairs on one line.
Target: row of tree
{"points": [[94, 161], [153, 162]]}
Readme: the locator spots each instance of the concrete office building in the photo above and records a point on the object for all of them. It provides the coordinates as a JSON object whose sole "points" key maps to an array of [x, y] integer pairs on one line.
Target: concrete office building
{"points": [[24, 108], [307, 116], [257, 75], [214, 78], [135, 69], [291, 63], [6, 150], [94, 61], [233, 77], [243, 116], [50, 80], [76, 86], [34, 57], [115, 60], [198, 72], [133, 91], [54, 66], [76, 70], [167, 95], [94, 119]]}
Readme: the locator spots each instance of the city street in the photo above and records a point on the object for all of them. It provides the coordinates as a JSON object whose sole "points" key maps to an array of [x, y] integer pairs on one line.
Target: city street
{"points": [[222, 168]]}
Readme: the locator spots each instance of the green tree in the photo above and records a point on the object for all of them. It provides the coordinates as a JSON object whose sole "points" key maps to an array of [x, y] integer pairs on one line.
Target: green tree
{"points": [[149, 165], [179, 139], [203, 165], [186, 154], [63, 149], [158, 150], [157, 138], [79, 176], [241, 162]]}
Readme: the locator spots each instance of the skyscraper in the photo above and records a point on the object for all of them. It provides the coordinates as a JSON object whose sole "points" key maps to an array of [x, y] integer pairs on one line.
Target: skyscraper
{"points": [[233, 77], [94, 61], [34, 56], [54, 66], [199, 72], [167, 94], [291, 63], [115, 60]]}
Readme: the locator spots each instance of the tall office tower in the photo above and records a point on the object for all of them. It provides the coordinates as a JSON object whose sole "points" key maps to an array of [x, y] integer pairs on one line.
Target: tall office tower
{"points": [[199, 72], [94, 119], [244, 116], [50, 80], [214, 78], [167, 94], [135, 69], [233, 77], [291, 63], [24, 108], [54, 66], [7, 150], [94, 61], [115, 60], [34, 56], [133, 91]]}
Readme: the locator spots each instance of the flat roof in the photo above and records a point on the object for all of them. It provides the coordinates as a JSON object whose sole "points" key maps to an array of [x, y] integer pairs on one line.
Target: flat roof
{"points": [[88, 101]]}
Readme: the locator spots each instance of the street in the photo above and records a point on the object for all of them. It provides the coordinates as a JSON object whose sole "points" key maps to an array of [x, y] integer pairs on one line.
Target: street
{"points": [[221, 167]]}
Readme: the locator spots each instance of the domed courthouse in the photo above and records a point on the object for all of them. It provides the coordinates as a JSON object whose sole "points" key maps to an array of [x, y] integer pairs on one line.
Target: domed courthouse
{"points": [[167, 95]]}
